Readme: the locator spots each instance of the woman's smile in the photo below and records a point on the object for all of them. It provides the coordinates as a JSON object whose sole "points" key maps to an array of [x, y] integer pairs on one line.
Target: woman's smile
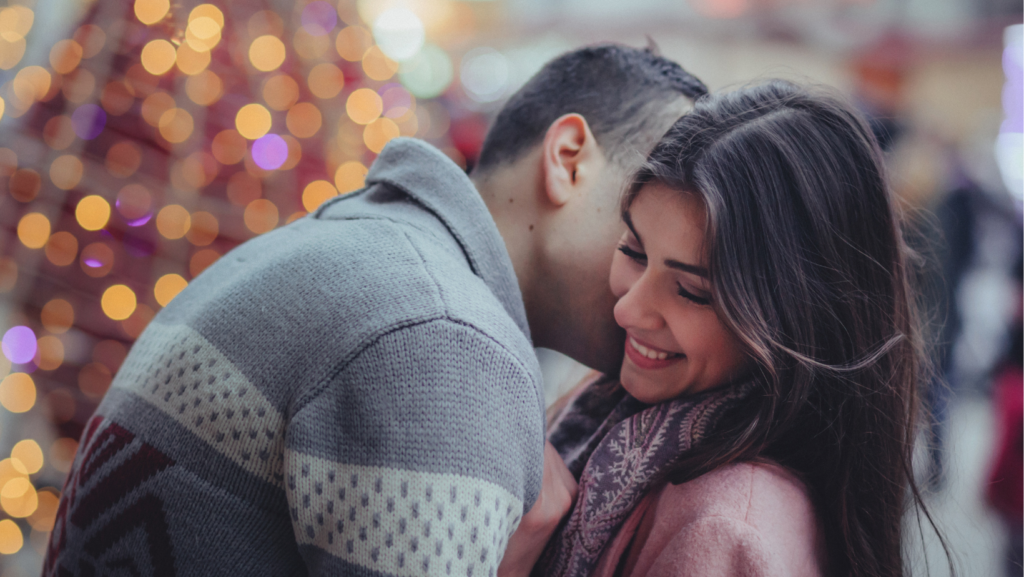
{"points": [[646, 356]]}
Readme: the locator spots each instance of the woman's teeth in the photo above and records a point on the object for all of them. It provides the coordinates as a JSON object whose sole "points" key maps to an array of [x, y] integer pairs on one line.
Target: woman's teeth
{"points": [[653, 355]]}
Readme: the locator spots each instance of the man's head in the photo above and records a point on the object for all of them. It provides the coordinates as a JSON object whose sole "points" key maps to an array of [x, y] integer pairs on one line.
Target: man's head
{"points": [[552, 170]]}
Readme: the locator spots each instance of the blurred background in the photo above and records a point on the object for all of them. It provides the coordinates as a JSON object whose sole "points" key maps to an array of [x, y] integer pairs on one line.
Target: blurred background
{"points": [[141, 140]]}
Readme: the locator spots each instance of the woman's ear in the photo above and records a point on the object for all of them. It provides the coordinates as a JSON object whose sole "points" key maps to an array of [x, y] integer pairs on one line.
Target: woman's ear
{"points": [[569, 155]]}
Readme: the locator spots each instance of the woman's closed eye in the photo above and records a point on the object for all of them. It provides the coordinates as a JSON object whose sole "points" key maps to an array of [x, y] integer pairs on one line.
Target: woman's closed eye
{"points": [[703, 301], [634, 255]]}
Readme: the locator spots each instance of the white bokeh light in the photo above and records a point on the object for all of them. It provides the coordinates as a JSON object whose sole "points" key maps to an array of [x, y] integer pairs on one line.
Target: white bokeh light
{"points": [[399, 33], [484, 74], [428, 74]]}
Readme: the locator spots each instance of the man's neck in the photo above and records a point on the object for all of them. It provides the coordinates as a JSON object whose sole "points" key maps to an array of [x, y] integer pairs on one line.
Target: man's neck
{"points": [[511, 199]]}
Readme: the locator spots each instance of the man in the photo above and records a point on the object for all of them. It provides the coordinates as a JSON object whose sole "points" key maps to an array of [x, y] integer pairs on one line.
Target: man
{"points": [[356, 393]]}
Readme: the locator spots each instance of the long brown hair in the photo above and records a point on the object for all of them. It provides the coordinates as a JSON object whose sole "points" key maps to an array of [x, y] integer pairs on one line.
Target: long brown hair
{"points": [[809, 267]]}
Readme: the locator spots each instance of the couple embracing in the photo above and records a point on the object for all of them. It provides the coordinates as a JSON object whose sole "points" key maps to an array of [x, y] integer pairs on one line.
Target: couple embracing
{"points": [[357, 393]]}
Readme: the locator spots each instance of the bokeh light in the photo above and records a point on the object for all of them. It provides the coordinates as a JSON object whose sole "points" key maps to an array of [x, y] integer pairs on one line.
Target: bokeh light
{"points": [[11, 539], [31, 83], [46, 513], [270, 151], [57, 316], [18, 392], [88, 121], [19, 344], [310, 47], [203, 228], [92, 212], [65, 56], [427, 74], [266, 53], [208, 11], [59, 132], [191, 61], [484, 74], [319, 18], [50, 353], [173, 221], [350, 176], [24, 185], [364, 106], [62, 453], [253, 121], [66, 171], [34, 230], [316, 193], [176, 125], [16, 22], [377, 65], [134, 202], [261, 216], [244, 188], [118, 302], [304, 120], [31, 456], [168, 287], [281, 92], [203, 33], [154, 106], [228, 147], [97, 259], [61, 248], [353, 42], [379, 132], [123, 159], [204, 88], [94, 379], [326, 80], [399, 33], [151, 11], [201, 260], [18, 498], [92, 38], [78, 86], [158, 56]]}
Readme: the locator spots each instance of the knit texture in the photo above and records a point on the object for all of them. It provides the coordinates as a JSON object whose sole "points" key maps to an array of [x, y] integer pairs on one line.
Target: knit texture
{"points": [[353, 394]]}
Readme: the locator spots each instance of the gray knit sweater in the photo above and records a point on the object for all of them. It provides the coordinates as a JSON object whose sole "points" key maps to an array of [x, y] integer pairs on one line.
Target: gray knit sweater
{"points": [[353, 394]]}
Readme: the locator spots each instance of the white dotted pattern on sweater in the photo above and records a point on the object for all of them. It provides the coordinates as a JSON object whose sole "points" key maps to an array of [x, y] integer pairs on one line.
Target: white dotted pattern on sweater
{"points": [[198, 387], [400, 522]]}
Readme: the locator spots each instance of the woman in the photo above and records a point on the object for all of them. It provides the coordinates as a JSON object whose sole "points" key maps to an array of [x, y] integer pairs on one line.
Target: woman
{"points": [[768, 398]]}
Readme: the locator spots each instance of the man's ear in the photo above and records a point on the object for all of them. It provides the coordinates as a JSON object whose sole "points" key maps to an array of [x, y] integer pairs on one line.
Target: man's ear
{"points": [[569, 156]]}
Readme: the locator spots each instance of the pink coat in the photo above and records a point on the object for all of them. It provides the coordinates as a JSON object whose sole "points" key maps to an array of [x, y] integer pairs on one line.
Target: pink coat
{"points": [[749, 519]]}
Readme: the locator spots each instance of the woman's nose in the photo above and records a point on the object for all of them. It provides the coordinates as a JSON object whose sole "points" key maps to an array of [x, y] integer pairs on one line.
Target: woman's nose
{"points": [[638, 308]]}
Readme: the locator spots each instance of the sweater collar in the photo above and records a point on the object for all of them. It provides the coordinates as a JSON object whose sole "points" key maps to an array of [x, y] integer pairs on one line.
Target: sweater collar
{"points": [[424, 173]]}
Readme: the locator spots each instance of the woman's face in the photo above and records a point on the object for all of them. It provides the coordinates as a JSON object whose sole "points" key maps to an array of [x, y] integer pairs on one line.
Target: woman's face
{"points": [[675, 344]]}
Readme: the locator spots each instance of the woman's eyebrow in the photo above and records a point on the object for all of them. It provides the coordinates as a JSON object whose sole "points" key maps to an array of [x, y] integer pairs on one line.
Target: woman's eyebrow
{"points": [[692, 269], [628, 219]]}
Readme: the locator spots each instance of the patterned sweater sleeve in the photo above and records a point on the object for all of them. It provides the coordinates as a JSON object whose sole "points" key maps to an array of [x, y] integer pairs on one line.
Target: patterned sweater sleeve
{"points": [[417, 458]]}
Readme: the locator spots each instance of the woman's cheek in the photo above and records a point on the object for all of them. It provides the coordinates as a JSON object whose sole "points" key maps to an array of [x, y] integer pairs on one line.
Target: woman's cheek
{"points": [[621, 278]]}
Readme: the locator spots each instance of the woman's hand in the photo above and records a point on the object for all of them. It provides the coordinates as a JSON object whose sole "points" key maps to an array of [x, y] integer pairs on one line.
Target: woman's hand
{"points": [[557, 493]]}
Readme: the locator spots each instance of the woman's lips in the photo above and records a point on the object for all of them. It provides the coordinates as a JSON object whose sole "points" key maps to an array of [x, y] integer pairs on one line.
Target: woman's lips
{"points": [[648, 357]]}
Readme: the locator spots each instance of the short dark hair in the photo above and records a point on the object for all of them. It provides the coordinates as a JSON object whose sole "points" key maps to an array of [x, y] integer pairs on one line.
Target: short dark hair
{"points": [[624, 93]]}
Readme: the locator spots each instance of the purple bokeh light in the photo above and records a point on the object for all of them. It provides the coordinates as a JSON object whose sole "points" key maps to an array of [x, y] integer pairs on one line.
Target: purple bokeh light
{"points": [[19, 344], [88, 121], [93, 263], [269, 152], [319, 18], [140, 221]]}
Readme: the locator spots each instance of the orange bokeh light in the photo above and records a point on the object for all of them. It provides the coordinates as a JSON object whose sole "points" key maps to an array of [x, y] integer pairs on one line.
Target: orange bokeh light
{"points": [[304, 120]]}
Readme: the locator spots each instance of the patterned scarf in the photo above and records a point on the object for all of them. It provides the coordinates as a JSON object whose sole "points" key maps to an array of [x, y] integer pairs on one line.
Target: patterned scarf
{"points": [[619, 448]]}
